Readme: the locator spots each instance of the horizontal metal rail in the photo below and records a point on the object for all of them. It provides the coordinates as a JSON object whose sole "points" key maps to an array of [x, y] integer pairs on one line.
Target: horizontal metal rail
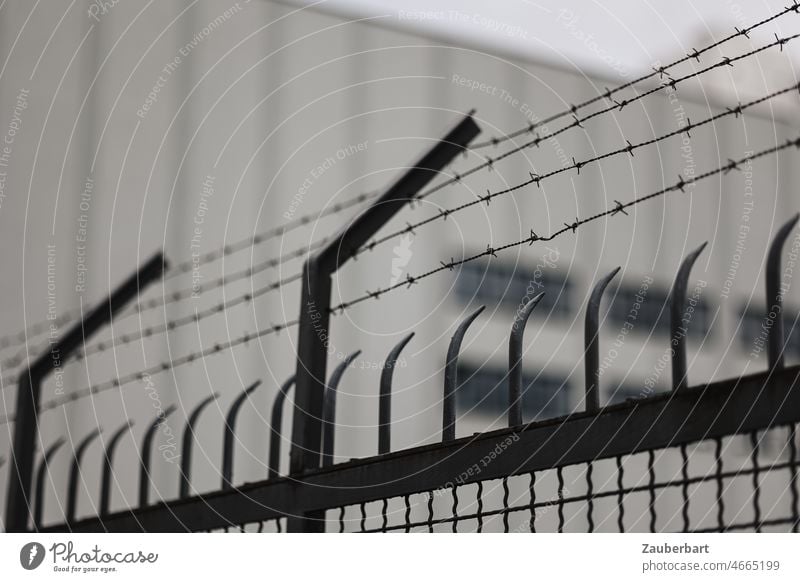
{"points": [[724, 408]]}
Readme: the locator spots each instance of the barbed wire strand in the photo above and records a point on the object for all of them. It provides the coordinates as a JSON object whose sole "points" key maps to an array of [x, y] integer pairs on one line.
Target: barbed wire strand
{"points": [[619, 208], [140, 375], [537, 179], [41, 327], [617, 105], [168, 326], [490, 251], [21, 337], [36, 329], [186, 293]]}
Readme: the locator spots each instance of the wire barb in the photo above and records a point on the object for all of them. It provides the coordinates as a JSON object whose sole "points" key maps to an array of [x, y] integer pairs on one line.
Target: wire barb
{"points": [[732, 165]]}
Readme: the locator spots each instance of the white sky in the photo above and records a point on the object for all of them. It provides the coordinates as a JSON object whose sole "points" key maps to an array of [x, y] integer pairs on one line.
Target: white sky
{"points": [[591, 35]]}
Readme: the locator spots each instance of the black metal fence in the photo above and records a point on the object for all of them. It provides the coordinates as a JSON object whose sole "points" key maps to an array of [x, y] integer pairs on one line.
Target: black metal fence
{"points": [[716, 457], [635, 466]]}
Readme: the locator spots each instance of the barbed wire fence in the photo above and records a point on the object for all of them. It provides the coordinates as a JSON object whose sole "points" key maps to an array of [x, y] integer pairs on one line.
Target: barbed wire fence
{"points": [[590, 467]]}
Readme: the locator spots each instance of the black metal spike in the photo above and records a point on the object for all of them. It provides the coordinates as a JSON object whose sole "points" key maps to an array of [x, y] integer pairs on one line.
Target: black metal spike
{"points": [[385, 397], [277, 428], [451, 377], [677, 306], [592, 342], [230, 434], [515, 361], [187, 446], [75, 474], [108, 467]]}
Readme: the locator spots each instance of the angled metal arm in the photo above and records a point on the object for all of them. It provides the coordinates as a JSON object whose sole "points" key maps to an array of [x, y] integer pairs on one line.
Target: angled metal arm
{"points": [[147, 445], [678, 333], [29, 388], [592, 342], [75, 474], [187, 446], [515, 361], [775, 339], [451, 377], [315, 302], [277, 430], [41, 473], [329, 409], [230, 434], [108, 467], [385, 398]]}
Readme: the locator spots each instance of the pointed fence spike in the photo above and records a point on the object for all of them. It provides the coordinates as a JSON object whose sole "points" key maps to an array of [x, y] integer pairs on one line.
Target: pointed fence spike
{"points": [[775, 339], [329, 409], [108, 467], [592, 342], [147, 444], [277, 429], [451, 377], [188, 445], [75, 473], [515, 361], [677, 306], [385, 397], [230, 434], [44, 467]]}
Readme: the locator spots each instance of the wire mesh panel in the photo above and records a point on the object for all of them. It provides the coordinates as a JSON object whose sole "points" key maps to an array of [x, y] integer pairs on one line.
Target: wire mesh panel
{"points": [[714, 485]]}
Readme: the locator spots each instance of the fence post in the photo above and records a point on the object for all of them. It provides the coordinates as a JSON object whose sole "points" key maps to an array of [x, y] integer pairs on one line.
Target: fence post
{"points": [[313, 328], [29, 388]]}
